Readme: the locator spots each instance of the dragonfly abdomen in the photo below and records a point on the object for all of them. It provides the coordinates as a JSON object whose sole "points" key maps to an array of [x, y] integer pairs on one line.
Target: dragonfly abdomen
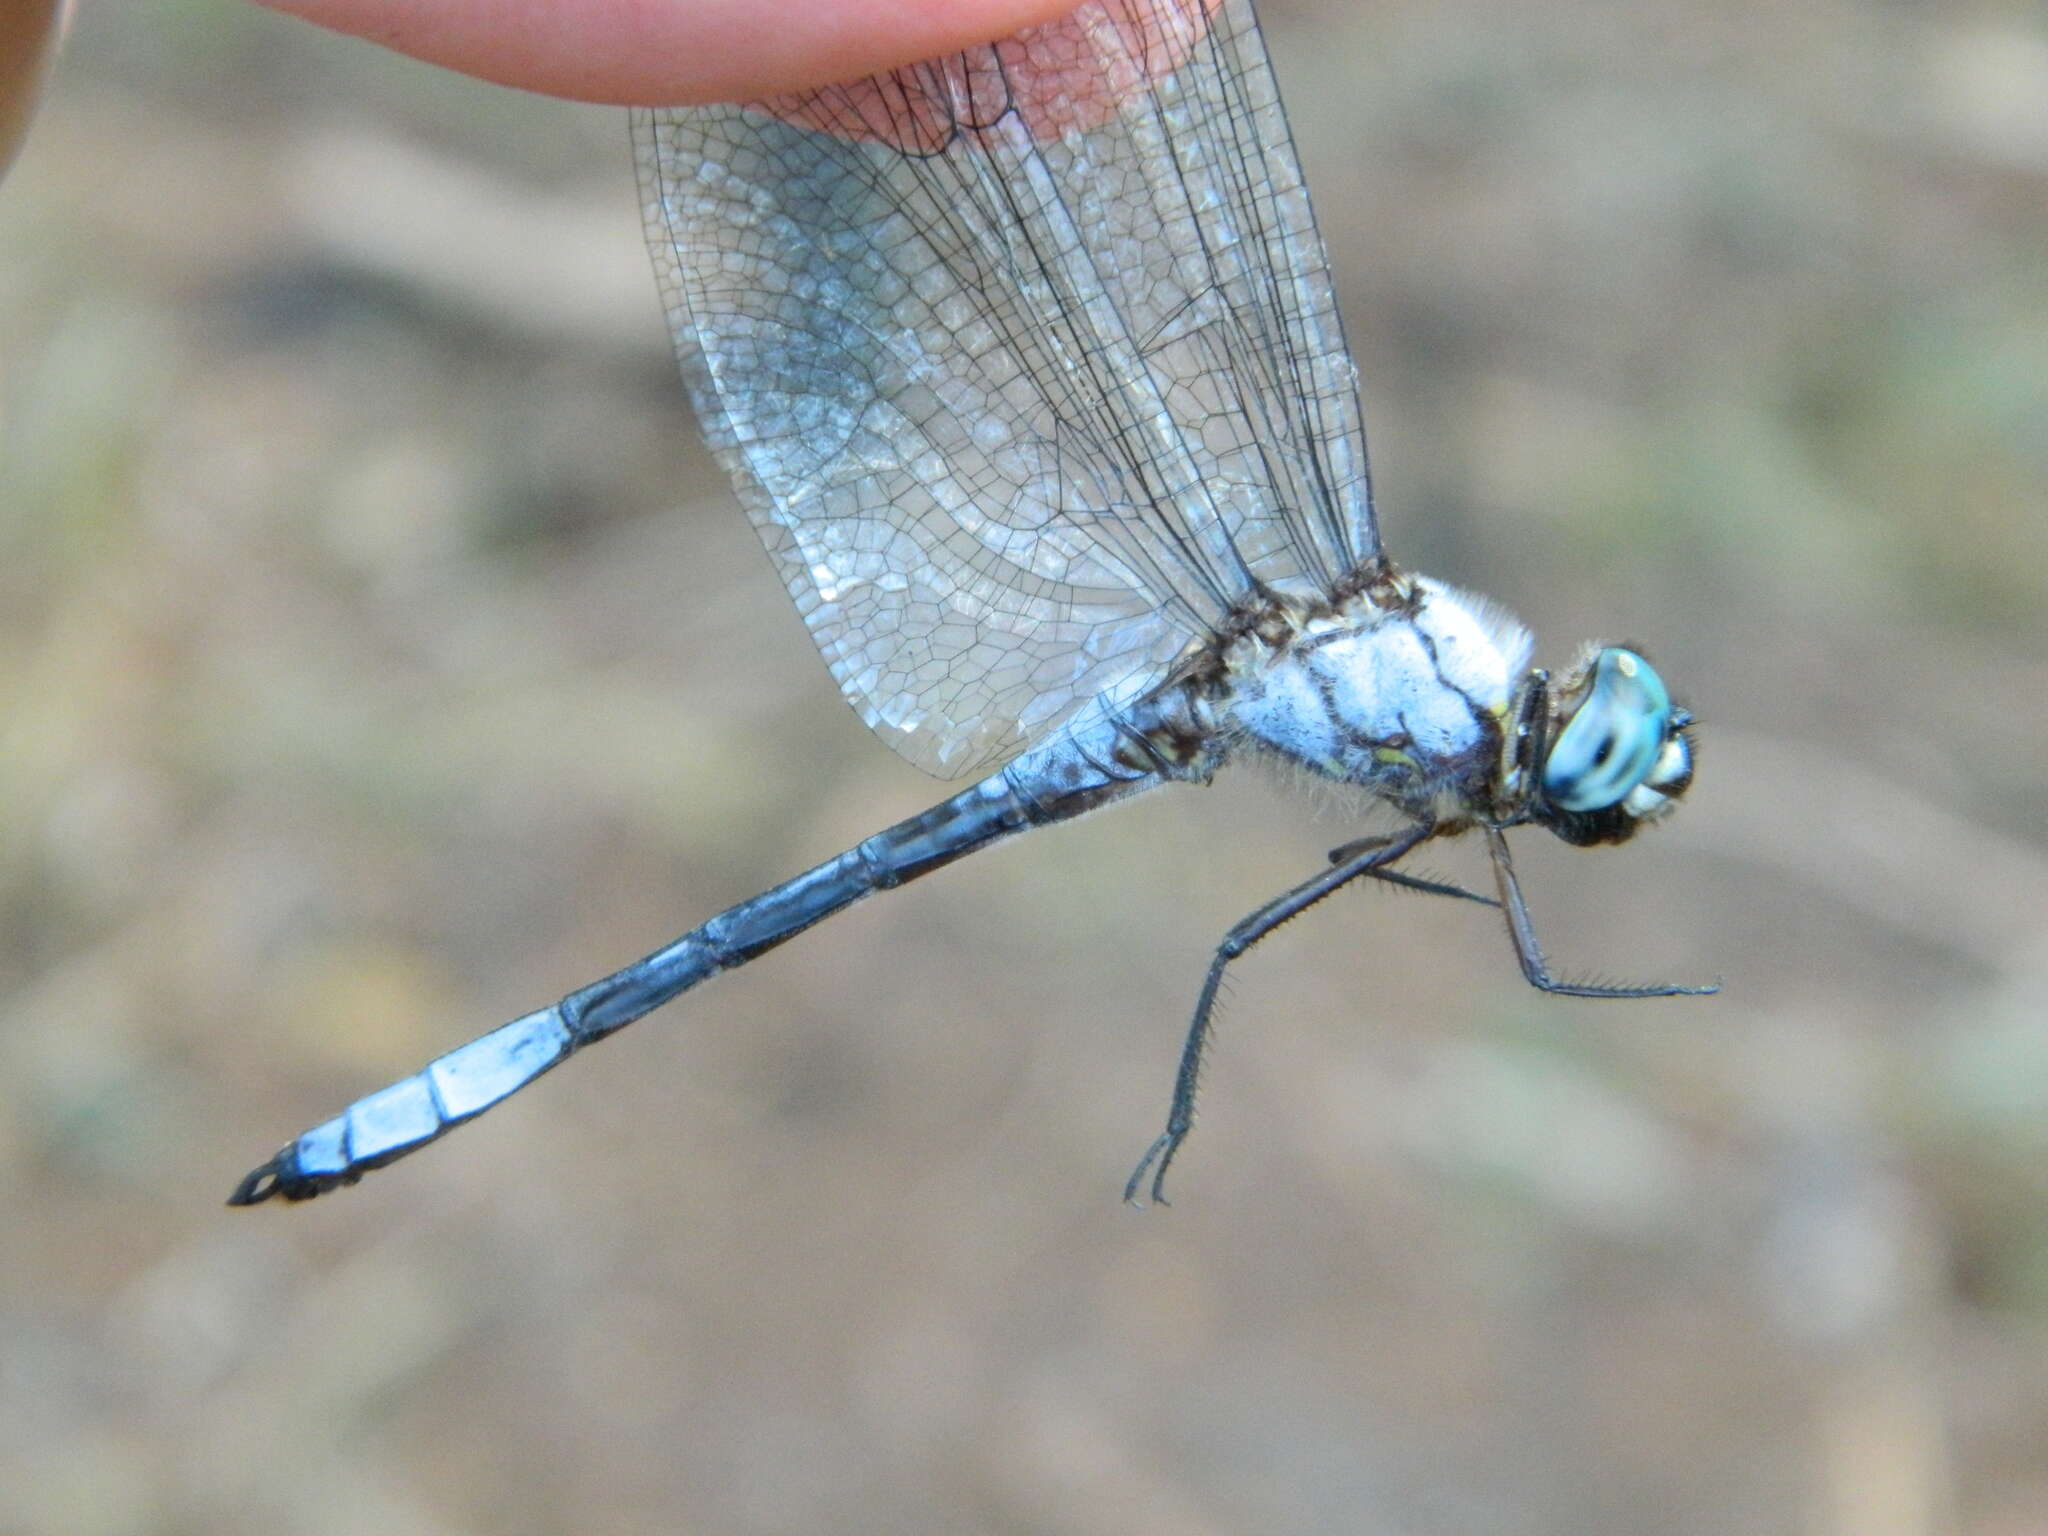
{"points": [[1069, 776]]}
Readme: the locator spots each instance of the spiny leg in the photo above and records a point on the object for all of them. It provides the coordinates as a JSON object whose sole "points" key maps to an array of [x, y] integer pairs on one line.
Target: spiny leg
{"points": [[1401, 878], [1366, 858], [1530, 953]]}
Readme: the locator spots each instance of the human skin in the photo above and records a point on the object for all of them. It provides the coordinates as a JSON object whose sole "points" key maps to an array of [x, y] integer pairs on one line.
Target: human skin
{"points": [[672, 52], [28, 33]]}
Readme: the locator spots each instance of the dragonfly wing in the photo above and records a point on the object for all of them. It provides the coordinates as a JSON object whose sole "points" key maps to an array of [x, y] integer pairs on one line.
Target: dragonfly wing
{"points": [[1025, 361]]}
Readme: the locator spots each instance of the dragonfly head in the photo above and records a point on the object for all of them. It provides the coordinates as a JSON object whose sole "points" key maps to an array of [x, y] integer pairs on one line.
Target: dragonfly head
{"points": [[1606, 749]]}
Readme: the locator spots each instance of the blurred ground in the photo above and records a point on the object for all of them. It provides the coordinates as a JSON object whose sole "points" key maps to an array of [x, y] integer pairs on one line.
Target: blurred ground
{"points": [[380, 656]]}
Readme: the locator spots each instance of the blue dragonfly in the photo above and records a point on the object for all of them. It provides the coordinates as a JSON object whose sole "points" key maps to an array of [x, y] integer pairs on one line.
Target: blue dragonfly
{"points": [[1026, 364]]}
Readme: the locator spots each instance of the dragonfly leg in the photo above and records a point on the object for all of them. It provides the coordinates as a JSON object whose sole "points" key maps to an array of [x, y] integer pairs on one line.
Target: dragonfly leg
{"points": [[1401, 878], [1535, 969], [1367, 858]]}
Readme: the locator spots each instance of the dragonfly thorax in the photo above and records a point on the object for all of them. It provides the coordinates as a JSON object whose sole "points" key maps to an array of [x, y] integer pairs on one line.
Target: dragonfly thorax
{"points": [[1423, 695], [1405, 689]]}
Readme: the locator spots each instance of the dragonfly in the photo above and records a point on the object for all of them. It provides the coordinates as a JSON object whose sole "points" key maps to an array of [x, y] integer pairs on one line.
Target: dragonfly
{"points": [[1027, 366]]}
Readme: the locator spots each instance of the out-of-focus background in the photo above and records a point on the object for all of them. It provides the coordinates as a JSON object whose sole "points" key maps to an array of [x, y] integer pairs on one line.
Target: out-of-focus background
{"points": [[381, 656]]}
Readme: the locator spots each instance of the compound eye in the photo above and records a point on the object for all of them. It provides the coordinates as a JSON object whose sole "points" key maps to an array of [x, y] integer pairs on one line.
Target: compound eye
{"points": [[1611, 744]]}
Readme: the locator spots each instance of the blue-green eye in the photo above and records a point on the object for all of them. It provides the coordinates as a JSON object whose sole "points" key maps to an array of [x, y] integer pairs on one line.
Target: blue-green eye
{"points": [[1612, 743]]}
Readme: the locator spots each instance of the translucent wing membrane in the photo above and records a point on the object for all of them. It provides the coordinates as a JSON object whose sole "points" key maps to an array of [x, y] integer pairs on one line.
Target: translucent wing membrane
{"points": [[1026, 361]]}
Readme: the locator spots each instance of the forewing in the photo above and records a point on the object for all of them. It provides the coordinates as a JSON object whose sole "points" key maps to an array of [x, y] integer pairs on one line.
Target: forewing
{"points": [[1025, 361]]}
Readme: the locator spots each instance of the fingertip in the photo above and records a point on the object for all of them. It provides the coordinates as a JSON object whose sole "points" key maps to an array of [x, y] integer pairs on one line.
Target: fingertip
{"points": [[658, 53]]}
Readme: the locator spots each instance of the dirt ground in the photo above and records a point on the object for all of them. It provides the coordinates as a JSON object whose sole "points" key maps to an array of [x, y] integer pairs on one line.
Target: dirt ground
{"points": [[381, 655]]}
